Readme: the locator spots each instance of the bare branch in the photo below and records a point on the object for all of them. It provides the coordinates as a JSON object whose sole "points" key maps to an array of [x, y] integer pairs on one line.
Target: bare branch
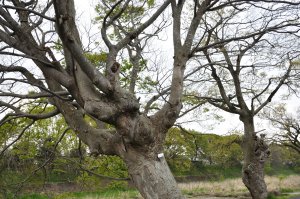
{"points": [[282, 81], [29, 10]]}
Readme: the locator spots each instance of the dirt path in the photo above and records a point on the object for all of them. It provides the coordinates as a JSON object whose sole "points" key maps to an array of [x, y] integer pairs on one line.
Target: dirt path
{"points": [[209, 197], [294, 195], [214, 197]]}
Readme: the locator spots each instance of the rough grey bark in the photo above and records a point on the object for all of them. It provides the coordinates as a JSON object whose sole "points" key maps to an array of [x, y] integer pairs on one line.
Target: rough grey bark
{"points": [[255, 154], [151, 174]]}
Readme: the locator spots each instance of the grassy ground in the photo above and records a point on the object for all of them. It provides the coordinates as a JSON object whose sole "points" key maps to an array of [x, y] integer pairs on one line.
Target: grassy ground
{"points": [[233, 188], [105, 194]]}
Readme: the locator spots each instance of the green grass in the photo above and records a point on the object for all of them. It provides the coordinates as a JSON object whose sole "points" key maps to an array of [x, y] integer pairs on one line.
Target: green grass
{"points": [[99, 195], [207, 175], [103, 194], [33, 196], [271, 196], [281, 170]]}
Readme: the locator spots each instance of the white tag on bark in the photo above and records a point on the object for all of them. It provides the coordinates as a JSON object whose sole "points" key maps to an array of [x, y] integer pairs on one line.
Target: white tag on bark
{"points": [[160, 155]]}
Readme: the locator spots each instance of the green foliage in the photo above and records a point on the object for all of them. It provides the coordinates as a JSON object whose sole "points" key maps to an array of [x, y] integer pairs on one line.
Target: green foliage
{"points": [[108, 165], [133, 13], [105, 193], [33, 196], [281, 158], [131, 17], [118, 185], [281, 171], [88, 182], [187, 151], [97, 59], [189, 98], [125, 70], [143, 82], [150, 3], [274, 196], [58, 45]]}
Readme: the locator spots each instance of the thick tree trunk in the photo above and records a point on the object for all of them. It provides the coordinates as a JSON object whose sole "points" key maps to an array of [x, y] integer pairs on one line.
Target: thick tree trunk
{"points": [[255, 153], [253, 178], [152, 176]]}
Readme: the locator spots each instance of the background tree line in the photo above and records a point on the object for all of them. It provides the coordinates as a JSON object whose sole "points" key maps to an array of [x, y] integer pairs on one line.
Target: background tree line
{"points": [[36, 159]]}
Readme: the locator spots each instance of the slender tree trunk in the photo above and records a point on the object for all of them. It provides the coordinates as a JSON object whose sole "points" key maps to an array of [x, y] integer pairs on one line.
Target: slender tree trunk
{"points": [[151, 175], [255, 153]]}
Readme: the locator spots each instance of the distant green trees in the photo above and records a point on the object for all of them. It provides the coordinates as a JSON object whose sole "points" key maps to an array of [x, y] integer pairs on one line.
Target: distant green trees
{"points": [[185, 150], [218, 156]]}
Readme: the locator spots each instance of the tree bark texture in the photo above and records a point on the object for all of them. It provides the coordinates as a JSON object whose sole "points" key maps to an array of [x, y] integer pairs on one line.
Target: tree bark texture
{"points": [[255, 153], [142, 151], [151, 175]]}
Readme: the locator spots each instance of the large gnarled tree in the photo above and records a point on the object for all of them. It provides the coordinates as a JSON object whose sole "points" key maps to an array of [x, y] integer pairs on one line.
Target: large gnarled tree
{"points": [[75, 87], [78, 88]]}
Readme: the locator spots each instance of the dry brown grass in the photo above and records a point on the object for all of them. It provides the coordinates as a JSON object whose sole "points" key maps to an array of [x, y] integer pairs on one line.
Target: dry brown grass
{"points": [[235, 187], [229, 187], [291, 182]]}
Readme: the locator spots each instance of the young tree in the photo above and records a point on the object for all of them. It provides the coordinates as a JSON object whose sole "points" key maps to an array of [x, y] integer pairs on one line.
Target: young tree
{"points": [[250, 52], [76, 88]]}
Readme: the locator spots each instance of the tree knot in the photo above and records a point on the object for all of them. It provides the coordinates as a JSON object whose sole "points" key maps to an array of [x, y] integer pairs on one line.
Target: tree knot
{"points": [[261, 148]]}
